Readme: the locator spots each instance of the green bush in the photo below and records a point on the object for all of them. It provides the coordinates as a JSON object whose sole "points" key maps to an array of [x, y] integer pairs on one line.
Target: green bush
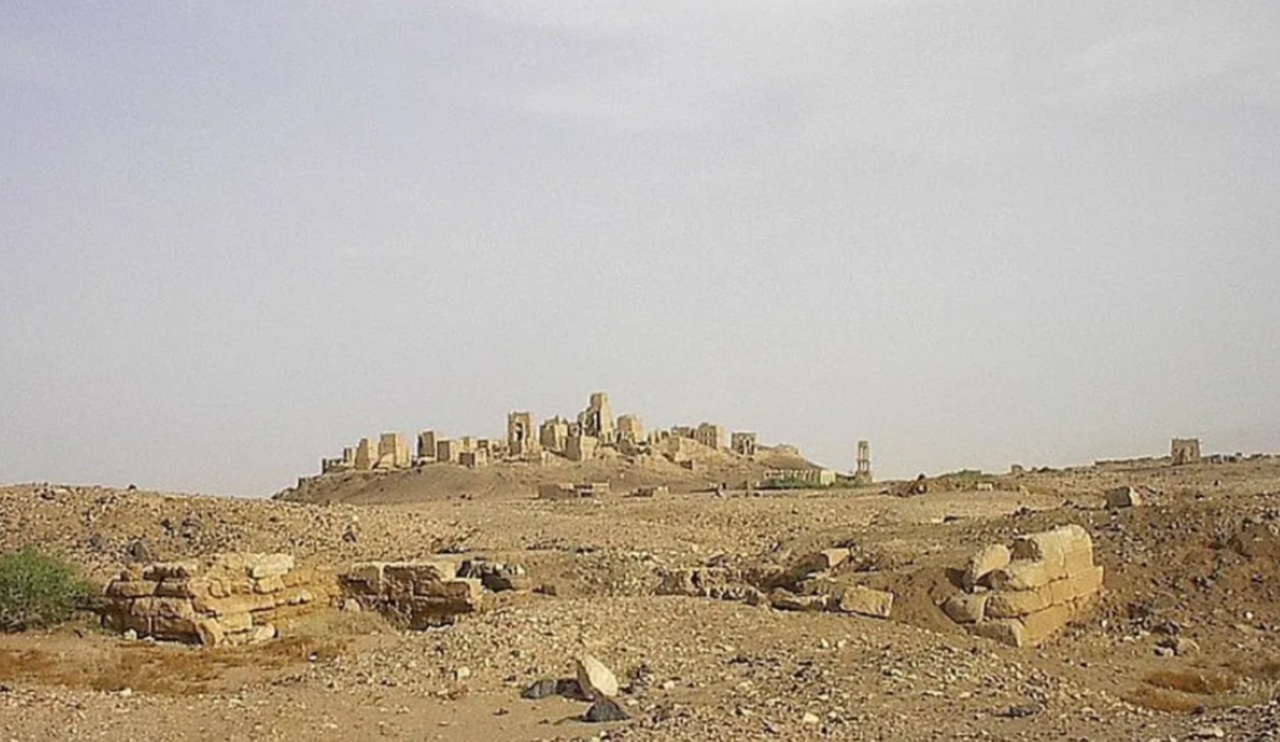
{"points": [[38, 590]]}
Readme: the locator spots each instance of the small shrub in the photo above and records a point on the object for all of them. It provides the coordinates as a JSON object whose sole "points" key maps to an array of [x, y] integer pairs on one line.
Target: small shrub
{"points": [[38, 590]]}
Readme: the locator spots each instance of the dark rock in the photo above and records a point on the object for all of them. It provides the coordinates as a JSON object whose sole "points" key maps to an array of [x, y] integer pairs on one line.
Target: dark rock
{"points": [[544, 688], [605, 709], [1022, 711], [98, 542], [140, 551]]}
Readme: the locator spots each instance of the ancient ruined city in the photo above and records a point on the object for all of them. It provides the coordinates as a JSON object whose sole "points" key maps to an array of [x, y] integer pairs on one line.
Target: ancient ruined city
{"points": [[586, 579], [580, 371]]}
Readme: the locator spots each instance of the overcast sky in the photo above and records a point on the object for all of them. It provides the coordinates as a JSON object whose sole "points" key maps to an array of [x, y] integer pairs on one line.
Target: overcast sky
{"points": [[235, 237]]}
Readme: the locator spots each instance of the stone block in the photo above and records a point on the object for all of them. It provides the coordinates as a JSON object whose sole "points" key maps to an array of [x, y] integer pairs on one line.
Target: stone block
{"points": [[1020, 574], [1008, 631], [1012, 604], [122, 621], [966, 607], [268, 585], [131, 589], [270, 565], [986, 560], [235, 604], [169, 627], [1123, 497], [788, 601], [866, 602], [827, 560], [1041, 625], [210, 633], [1080, 585], [171, 570], [233, 623], [364, 578], [1059, 549], [163, 608], [463, 589], [420, 573]]}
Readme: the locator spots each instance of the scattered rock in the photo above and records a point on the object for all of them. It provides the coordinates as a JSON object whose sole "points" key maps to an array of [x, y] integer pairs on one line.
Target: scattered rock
{"points": [[540, 689], [595, 679], [605, 709]]}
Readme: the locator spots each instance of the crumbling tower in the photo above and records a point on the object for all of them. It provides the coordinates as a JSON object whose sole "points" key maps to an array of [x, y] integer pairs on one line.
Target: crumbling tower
{"points": [[863, 473], [597, 420], [522, 440]]}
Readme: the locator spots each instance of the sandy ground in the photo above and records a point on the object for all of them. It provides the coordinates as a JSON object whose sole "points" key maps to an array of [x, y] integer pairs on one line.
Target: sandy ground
{"points": [[1198, 560]]}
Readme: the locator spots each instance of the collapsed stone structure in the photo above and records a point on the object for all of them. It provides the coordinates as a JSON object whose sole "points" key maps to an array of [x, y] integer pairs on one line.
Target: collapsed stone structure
{"points": [[816, 477], [743, 444], [862, 474], [1022, 596], [422, 594], [227, 599]]}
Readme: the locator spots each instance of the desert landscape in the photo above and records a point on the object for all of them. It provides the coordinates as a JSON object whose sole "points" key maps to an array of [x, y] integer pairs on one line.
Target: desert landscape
{"points": [[406, 603]]}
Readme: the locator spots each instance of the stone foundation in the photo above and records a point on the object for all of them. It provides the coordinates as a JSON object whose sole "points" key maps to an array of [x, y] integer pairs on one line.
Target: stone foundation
{"points": [[226, 599], [1022, 596], [415, 594]]}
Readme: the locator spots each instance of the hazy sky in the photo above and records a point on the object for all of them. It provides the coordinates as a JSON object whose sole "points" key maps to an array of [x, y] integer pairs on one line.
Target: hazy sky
{"points": [[235, 237]]}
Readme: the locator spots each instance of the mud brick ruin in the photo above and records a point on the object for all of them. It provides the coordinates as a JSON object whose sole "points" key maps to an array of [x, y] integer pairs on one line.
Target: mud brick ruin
{"points": [[584, 437], [1022, 596], [227, 599]]}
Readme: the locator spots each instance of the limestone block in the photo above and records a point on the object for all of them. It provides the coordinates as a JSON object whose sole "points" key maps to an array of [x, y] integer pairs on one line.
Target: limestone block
{"points": [[788, 601], [131, 589], [263, 633], [1020, 574], [1008, 631], [419, 573], [986, 560], [268, 585], [1060, 549], [270, 565], [966, 607], [210, 633], [867, 602], [235, 604], [1039, 626], [1079, 585], [122, 621], [423, 612], [1017, 603], [1123, 497], [232, 623], [170, 627], [163, 608], [463, 588], [219, 588], [364, 578], [299, 577], [295, 596], [827, 559], [171, 570], [179, 588]]}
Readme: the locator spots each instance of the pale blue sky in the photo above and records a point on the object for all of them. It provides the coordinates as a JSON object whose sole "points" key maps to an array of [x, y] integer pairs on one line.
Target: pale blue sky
{"points": [[238, 236]]}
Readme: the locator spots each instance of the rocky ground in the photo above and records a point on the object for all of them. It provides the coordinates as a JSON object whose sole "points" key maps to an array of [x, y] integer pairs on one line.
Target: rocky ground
{"points": [[1182, 646]]}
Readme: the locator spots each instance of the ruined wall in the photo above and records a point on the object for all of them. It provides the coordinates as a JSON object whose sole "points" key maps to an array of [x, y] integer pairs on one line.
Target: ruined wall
{"points": [[448, 450], [521, 435], [1022, 596], [418, 594], [743, 444], [393, 451], [581, 447], [229, 598], [1185, 451], [554, 435], [630, 429], [709, 435], [366, 455], [427, 446]]}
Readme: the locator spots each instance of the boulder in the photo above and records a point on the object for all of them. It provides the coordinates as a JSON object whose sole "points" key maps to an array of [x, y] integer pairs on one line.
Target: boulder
{"points": [[966, 607], [866, 602], [594, 678]]}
